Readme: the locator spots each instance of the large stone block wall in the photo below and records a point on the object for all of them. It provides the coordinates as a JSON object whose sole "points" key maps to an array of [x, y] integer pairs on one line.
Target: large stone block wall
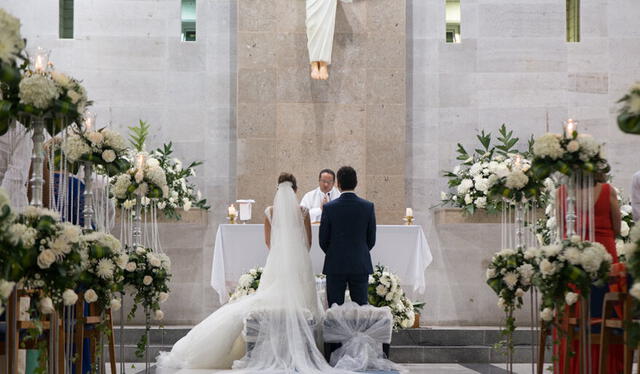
{"points": [[288, 122]]}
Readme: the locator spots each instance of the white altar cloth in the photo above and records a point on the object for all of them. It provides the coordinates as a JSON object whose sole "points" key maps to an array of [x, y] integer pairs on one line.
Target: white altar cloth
{"points": [[238, 248]]}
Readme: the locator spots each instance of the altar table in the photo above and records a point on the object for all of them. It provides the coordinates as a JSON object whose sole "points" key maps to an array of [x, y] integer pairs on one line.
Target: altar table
{"points": [[238, 248]]}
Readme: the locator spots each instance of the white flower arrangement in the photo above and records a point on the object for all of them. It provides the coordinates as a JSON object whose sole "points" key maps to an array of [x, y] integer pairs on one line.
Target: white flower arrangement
{"points": [[11, 42], [473, 182], [182, 194], [39, 91], [145, 179], [247, 284], [629, 114], [566, 266], [104, 148], [567, 155], [385, 290]]}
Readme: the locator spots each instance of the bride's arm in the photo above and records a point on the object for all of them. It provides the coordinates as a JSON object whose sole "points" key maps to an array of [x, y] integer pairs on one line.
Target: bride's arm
{"points": [[307, 227], [267, 232]]}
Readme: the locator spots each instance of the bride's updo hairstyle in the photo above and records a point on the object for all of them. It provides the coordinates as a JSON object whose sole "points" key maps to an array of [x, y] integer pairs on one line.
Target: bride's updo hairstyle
{"points": [[288, 177]]}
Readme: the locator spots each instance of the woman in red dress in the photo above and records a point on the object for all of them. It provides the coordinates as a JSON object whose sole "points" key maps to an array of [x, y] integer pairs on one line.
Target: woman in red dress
{"points": [[607, 225]]}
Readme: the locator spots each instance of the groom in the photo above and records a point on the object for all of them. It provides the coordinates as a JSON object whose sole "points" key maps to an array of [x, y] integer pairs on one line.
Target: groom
{"points": [[347, 234]]}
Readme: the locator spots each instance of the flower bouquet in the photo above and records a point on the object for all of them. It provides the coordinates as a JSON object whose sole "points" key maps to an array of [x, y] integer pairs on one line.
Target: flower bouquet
{"points": [[146, 279], [471, 181], [103, 264], [385, 290], [629, 115], [247, 284], [104, 148], [182, 194], [566, 268], [567, 155], [13, 61]]}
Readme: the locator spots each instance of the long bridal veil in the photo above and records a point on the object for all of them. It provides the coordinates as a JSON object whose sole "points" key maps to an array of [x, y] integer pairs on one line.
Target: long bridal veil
{"points": [[289, 311]]}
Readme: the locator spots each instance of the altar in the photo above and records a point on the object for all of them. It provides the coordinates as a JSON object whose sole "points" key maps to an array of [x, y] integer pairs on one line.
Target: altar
{"points": [[238, 248]]}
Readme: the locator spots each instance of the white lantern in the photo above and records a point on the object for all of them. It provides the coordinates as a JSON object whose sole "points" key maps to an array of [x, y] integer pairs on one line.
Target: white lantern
{"points": [[245, 209]]}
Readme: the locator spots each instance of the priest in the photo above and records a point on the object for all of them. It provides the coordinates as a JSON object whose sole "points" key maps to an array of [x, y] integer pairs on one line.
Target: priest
{"points": [[326, 191]]}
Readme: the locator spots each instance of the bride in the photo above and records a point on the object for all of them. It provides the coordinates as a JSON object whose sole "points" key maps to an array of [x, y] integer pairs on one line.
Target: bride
{"points": [[286, 306]]}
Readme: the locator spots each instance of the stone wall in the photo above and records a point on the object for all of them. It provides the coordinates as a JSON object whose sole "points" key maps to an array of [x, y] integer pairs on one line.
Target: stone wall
{"points": [[288, 122]]}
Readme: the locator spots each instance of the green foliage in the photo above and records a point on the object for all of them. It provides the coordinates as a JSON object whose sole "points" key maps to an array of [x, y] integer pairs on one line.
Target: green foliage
{"points": [[138, 135]]}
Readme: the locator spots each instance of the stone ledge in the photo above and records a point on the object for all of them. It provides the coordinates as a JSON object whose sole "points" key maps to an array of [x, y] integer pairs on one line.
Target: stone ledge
{"points": [[453, 216], [194, 216]]}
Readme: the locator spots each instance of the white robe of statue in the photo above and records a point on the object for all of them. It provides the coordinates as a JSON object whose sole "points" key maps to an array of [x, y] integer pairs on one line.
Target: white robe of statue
{"points": [[321, 24]]}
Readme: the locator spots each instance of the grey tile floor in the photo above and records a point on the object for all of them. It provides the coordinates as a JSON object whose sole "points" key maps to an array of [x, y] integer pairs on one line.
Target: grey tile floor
{"points": [[412, 369]]}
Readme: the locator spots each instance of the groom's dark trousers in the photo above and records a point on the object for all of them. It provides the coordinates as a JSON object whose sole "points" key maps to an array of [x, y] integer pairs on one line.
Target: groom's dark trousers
{"points": [[347, 234]]}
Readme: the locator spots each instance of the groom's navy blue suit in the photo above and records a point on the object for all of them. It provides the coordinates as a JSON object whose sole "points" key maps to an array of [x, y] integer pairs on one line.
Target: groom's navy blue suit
{"points": [[347, 234]]}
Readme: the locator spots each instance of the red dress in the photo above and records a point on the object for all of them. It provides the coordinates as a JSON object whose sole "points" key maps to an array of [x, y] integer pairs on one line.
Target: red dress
{"points": [[604, 235]]}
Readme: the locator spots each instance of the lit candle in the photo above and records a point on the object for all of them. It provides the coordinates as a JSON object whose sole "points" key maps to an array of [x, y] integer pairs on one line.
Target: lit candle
{"points": [[570, 126], [232, 210], [89, 120], [517, 162], [140, 160], [41, 60], [409, 212]]}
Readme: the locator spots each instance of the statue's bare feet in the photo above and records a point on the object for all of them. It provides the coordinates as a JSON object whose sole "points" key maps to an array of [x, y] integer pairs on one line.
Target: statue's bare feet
{"points": [[315, 72], [324, 71]]}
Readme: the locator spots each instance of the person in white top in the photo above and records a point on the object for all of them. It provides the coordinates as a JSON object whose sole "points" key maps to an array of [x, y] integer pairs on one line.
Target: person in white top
{"points": [[635, 196], [326, 191]]}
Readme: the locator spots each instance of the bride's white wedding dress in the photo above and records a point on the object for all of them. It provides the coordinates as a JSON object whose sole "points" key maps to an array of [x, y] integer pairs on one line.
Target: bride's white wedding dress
{"points": [[285, 300]]}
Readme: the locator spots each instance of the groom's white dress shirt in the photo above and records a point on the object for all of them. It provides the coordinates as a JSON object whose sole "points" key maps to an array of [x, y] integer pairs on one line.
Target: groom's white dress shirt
{"points": [[312, 200], [635, 196]]}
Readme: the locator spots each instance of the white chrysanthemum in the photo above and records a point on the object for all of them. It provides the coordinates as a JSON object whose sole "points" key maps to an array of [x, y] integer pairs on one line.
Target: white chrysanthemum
{"points": [[589, 147], [74, 147], [105, 268], [60, 247], [573, 255], [114, 140], [591, 259], [526, 272], [506, 252], [381, 290], [22, 233], [70, 232], [109, 155], [551, 223], [548, 145], [121, 185], [166, 262], [38, 90], [465, 186], [552, 250], [61, 79], [511, 279], [516, 180], [11, 42]]}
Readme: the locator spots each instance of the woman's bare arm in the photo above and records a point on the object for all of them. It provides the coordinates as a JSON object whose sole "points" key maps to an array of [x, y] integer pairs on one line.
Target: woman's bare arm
{"points": [[615, 211], [267, 232]]}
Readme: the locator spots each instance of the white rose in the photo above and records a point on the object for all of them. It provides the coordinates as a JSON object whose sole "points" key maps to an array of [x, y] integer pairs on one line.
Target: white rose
{"points": [[163, 297], [546, 314], [6, 288], [491, 273], [481, 202], [109, 155], [158, 315], [624, 229], [46, 258], [547, 268], [187, 206], [154, 260], [147, 280], [122, 260], [468, 199], [526, 273], [570, 298], [635, 290], [501, 303], [69, 297], [115, 304], [551, 223], [573, 146], [90, 296], [131, 267], [140, 250], [45, 306]]}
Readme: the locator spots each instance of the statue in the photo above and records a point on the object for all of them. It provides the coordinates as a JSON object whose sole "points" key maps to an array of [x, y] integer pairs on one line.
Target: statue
{"points": [[321, 22]]}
